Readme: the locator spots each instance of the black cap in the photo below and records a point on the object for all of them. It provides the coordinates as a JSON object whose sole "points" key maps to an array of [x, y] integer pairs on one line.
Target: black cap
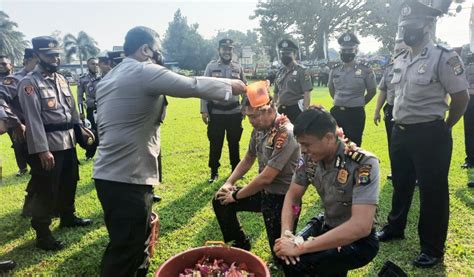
{"points": [[116, 56], [226, 42], [348, 40], [29, 53], [103, 59], [416, 14], [46, 45], [287, 45]]}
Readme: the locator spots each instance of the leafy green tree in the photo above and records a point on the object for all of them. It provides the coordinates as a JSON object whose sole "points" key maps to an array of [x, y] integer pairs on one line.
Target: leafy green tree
{"points": [[83, 47], [12, 42]]}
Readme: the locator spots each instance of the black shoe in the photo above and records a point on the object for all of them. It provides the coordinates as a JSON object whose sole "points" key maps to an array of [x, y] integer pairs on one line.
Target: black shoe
{"points": [[22, 172], [49, 244], [470, 185], [426, 261], [156, 198], [214, 177], [467, 165], [7, 265], [389, 176], [386, 234], [245, 244], [74, 221]]}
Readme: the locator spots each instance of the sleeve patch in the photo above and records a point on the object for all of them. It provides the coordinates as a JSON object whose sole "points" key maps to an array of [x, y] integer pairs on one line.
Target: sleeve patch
{"points": [[29, 89], [456, 65], [363, 177]]}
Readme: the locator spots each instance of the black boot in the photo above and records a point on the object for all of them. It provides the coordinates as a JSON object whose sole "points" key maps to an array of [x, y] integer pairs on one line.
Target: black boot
{"points": [[27, 210], [74, 221], [7, 265], [214, 176], [244, 244], [44, 238]]}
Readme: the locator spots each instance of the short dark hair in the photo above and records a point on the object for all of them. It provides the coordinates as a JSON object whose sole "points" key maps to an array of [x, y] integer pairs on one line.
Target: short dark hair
{"points": [[314, 121], [137, 37], [92, 58]]}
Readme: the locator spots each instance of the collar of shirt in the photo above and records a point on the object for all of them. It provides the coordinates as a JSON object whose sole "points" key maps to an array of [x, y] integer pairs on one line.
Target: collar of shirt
{"points": [[339, 158], [424, 54]]}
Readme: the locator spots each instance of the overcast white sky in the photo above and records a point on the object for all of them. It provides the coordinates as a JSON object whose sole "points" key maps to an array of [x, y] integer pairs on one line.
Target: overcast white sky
{"points": [[107, 21]]}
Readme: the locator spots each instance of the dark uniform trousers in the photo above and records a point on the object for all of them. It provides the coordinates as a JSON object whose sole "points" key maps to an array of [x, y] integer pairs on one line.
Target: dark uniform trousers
{"points": [[388, 116], [351, 120], [336, 261], [269, 205], [21, 151], [91, 149], [422, 151], [127, 213], [54, 191], [292, 112], [220, 126], [469, 131]]}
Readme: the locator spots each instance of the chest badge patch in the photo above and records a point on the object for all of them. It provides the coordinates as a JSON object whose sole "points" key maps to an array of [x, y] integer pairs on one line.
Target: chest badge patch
{"points": [[358, 72], [295, 73], [422, 68], [51, 103], [29, 89], [342, 176]]}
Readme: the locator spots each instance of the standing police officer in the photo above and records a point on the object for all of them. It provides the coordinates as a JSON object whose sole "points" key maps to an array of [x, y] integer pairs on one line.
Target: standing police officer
{"points": [[223, 118], [347, 182], [387, 94], [126, 167], [469, 116], [50, 114], [87, 85], [421, 145], [347, 85], [293, 83]]}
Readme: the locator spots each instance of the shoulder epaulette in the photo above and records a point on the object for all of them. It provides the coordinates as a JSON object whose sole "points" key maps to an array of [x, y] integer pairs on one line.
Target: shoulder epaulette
{"points": [[444, 48], [404, 51], [336, 65]]}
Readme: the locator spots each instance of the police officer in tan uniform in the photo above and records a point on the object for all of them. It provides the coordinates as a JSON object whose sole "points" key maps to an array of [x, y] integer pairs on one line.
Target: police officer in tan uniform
{"points": [[347, 181], [274, 147], [386, 96], [87, 85], [421, 147], [50, 114], [223, 119], [347, 85], [126, 168], [293, 82]]}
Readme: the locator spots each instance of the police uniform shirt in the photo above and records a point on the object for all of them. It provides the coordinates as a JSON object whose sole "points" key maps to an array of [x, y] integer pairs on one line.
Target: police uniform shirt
{"points": [[82, 88], [422, 84], [20, 74], [127, 117], [291, 84], [9, 94], [470, 77], [352, 179], [90, 89], [349, 85], [278, 149], [47, 100], [218, 69], [386, 84]]}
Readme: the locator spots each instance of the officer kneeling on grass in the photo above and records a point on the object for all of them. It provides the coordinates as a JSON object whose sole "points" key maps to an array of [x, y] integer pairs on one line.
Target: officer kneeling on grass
{"points": [[272, 144], [347, 182]]}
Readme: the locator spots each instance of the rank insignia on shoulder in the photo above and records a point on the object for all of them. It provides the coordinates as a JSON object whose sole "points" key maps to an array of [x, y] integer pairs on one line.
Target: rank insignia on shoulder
{"points": [[280, 139], [363, 177], [456, 65], [356, 156], [29, 89], [342, 176]]}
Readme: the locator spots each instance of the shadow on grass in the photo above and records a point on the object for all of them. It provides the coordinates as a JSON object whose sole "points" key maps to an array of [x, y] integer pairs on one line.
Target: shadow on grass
{"points": [[466, 195]]}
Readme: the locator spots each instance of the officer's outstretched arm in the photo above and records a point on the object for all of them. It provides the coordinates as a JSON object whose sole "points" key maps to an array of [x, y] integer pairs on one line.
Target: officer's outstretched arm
{"points": [[290, 210]]}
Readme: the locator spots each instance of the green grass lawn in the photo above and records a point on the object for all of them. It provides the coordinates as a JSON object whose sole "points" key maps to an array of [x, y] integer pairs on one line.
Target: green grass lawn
{"points": [[187, 219]]}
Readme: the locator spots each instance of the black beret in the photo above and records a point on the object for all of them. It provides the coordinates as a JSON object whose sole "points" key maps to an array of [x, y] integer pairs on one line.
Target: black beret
{"points": [[46, 45]]}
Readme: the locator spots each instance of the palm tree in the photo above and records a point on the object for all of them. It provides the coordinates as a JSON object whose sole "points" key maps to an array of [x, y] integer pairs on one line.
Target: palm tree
{"points": [[12, 42], [83, 47]]}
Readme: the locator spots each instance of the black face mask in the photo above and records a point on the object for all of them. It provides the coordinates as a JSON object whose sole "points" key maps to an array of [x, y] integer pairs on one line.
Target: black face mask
{"points": [[158, 58], [286, 60], [347, 57], [51, 68], [413, 37]]}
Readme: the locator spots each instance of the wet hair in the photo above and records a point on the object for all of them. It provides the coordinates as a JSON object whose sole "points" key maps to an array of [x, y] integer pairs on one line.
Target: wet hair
{"points": [[314, 121], [137, 37]]}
